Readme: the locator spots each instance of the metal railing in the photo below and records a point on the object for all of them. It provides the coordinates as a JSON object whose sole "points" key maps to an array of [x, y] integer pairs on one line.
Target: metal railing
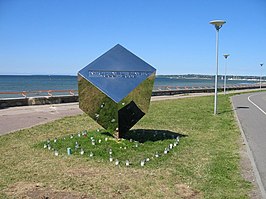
{"points": [[38, 93], [156, 89], [173, 88]]}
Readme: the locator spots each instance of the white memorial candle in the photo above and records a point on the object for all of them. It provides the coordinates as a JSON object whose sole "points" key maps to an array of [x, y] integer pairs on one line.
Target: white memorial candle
{"points": [[127, 162], [81, 151], [116, 162]]}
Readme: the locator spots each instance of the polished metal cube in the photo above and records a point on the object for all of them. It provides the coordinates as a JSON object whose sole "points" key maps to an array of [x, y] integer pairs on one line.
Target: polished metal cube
{"points": [[115, 89]]}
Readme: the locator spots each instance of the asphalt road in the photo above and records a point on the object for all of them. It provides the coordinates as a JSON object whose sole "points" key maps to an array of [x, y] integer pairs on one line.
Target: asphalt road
{"points": [[251, 113]]}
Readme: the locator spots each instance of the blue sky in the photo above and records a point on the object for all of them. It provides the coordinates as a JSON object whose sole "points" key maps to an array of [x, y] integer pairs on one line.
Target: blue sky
{"points": [[174, 36]]}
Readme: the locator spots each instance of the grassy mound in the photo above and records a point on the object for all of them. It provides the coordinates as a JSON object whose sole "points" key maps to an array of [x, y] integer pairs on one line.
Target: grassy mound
{"points": [[205, 164]]}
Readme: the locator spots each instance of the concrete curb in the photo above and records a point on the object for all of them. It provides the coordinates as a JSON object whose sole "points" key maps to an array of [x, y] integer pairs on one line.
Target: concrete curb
{"points": [[250, 154], [13, 102]]}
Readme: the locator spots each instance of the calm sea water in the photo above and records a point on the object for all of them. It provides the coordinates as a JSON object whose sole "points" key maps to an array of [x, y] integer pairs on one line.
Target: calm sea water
{"points": [[37, 82], [19, 83]]}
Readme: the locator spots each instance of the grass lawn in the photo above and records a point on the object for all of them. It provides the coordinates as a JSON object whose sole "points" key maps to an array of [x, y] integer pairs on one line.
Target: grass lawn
{"points": [[205, 163]]}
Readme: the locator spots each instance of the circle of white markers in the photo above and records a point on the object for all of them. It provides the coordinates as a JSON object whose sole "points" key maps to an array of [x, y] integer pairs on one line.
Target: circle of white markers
{"points": [[111, 159]]}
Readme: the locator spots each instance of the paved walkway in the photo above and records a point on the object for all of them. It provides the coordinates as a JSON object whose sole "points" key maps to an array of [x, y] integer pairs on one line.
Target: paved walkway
{"points": [[15, 118], [251, 112]]}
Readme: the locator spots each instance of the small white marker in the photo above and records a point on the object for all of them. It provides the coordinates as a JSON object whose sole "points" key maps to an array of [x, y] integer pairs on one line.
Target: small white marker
{"points": [[127, 162], [81, 151], [116, 162]]}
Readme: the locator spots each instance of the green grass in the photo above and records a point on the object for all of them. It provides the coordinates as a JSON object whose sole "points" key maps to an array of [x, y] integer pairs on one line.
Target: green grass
{"points": [[123, 150], [145, 146], [205, 164]]}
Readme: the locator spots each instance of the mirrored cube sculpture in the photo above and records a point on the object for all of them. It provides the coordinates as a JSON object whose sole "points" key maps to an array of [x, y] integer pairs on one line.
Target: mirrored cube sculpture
{"points": [[115, 89]]}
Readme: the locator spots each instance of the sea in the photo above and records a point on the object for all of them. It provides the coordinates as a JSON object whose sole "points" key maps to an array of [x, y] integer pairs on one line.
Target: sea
{"points": [[43, 85]]}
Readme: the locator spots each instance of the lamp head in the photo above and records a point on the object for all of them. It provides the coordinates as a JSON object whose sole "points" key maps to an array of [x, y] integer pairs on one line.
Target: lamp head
{"points": [[218, 23], [261, 64], [226, 55]]}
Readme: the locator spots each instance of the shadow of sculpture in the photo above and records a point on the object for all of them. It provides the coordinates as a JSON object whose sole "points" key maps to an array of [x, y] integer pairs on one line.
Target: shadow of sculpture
{"points": [[144, 135]]}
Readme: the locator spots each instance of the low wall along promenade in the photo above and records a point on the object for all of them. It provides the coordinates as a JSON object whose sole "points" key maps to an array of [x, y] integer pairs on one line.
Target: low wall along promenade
{"points": [[4, 103], [166, 90]]}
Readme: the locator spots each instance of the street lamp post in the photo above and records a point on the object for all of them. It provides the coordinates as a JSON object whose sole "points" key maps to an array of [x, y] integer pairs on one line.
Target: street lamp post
{"points": [[261, 64], [225, 69], [217, 24]]}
